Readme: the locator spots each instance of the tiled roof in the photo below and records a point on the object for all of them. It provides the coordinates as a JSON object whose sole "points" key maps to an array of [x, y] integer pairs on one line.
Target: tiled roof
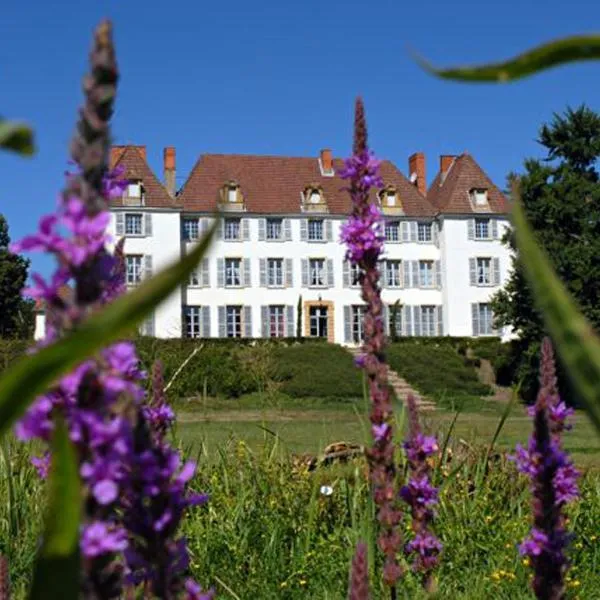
{"points": [[136, 167], [452, 196], [273, 184]]}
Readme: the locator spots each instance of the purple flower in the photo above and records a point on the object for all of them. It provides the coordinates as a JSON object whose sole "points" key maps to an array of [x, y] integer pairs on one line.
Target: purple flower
{"points": [[102, 538], [380, 432]]}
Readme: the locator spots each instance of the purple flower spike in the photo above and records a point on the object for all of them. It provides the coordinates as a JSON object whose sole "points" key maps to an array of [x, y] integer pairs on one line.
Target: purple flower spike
{"points": [[363, 236], [553, 484]]}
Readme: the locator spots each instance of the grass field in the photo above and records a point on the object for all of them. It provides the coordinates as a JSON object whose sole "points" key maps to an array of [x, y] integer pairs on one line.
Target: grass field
{"points": [[308, 425]]}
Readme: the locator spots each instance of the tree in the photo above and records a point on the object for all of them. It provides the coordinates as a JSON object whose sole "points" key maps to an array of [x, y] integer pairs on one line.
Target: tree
{"points": [[561, 198], [16, 313]]}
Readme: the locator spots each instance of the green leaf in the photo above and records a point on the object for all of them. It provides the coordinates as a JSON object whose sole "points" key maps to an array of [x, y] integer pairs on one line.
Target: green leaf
{"points": [[546, 56], [573, 336], [17, 137], [33, 374], [57, 569]]}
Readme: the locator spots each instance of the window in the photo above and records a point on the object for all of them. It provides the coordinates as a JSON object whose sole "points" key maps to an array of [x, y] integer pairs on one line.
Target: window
{"points": [[479, 197], [315, 229], [276, 321], [193, 322], [232, 195], [358, 323], [274, 229], [392, 231], [426, 273], [233, 272], [484, 271], [317, 272], [483, 319], [315, 197], [232, 229], [354, 274], [424, 232], [393, 274], [133, 224], [275, 271], [190, 229], [318, 321], [390, 198], [482, 229], [428, 324], [194, 279], [133, 264], [395, 324], [233, 321]]}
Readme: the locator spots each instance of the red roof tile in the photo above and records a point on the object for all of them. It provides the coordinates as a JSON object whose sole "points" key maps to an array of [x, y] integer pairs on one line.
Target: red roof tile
{"points": [[273, 184], [452, 196], [136, 167]]}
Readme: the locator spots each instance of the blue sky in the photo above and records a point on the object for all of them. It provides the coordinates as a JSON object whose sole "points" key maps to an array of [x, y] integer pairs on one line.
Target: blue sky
{"points": [[280, 78]]}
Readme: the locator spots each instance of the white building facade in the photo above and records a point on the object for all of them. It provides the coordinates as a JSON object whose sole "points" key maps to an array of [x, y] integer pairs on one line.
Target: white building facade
{"points": [[277, 267]]}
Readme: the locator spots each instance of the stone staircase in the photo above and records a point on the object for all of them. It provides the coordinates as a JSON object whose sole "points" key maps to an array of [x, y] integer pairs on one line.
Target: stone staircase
{"points": [[400, 386]]}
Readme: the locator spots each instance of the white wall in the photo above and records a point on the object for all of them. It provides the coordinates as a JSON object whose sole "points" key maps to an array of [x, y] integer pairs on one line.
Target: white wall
{"points": [[40, 326]]}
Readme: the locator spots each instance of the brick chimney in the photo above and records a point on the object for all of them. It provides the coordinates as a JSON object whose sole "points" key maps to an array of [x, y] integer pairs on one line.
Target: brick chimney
{"points": [[169, 169], [416, 171], [446, 161], [326, 160]]}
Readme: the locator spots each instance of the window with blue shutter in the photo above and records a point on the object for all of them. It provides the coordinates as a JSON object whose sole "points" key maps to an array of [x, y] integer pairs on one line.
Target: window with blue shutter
{"points": [[264, 317], [262, 229], [287, 229], [289, 321], [148, 224], [120, 223], [220, 272], [289, 272], [303, 230], [329, 267], [222, 320], [206, 321], [496, 267], [247, 278], [348, 324], [248, 321], [262, 263]]}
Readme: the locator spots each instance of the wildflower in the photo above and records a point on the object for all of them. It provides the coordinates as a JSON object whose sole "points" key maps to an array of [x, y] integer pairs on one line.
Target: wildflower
{"points": [[363, 236], [359, 574], [422, 497], [553, 484], [101, 399], [326, 490]]}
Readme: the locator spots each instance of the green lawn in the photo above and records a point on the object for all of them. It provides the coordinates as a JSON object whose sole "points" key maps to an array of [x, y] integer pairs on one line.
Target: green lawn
{"points": [[308, 425]]}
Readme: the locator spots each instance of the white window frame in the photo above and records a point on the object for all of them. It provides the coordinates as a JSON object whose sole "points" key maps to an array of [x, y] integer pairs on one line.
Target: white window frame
{"points": [[358, 322], [232, 229], [317, 272], [233, 321], [277, 224], [393, 273], [484, 274], [134, 268], [316, 227], [138, 219], [489, 314], [354, 274], [428, 320], [392, 231], [424, 232], [275, 272], [276, 320], [429, 271], [233, 272], [193, 321], [479, 223], [191, 229], [479, 194]]}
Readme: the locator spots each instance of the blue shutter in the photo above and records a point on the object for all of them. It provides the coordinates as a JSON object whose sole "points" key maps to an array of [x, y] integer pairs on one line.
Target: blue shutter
{"points": [[405, 233], [287, 230], [289, 321], [205, 282], [473, 271], [248, 321], [246, 281], [288, 265], [438, 274], [413, 232], [407, 320], [436, 234], [205, 310], [475, 319], [416, 276], [417, 320], [246, 230], [262, 229], [148, 266], [471, 229], [328, 230], [264, 317], [496, 275], [120, 223], [304, 272], [348, 324], [440, 320], [220, 227], [262, 262], [346, 274], [220, 272], [385, 315], [303, 230], [222, 318], [148, 224], [329, 274], [494, 226]]}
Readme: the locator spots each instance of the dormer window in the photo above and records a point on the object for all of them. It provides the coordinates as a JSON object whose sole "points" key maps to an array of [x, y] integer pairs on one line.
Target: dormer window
{"points": [[134, 193], [479, 197], [313, 199], [389, 200], [231, 197], [232, 194]]}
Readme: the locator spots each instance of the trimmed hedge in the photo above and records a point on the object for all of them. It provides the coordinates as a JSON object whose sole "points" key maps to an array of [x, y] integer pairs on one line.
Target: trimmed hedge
{"points": [[438, 371]]}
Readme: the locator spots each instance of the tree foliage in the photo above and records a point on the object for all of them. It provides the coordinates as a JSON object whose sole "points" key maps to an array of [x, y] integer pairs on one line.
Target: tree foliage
{"points": [[16, 313], [561, 199]]}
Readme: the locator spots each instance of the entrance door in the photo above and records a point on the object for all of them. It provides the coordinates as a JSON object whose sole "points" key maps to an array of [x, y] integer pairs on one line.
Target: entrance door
{"points": [[318, 321]]}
